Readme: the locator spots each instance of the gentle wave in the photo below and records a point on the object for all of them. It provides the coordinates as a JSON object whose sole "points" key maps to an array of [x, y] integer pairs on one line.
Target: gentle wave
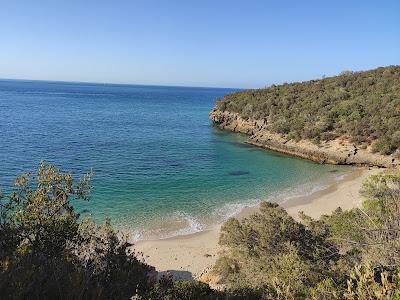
{"points": [[193, 225], [228, 210]]}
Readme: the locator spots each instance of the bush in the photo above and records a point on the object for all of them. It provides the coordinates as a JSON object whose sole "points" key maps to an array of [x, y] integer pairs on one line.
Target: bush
{"points": [[166, 289], [383, 146], [271, 251], [48, 252], [364, 285]]}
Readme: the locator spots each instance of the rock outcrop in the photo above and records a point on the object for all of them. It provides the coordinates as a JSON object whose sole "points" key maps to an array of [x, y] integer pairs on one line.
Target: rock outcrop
{"points": [[338, 151]]}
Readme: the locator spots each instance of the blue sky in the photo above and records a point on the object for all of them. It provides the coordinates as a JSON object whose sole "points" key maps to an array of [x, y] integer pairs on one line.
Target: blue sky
{"points": [[195, 43]]}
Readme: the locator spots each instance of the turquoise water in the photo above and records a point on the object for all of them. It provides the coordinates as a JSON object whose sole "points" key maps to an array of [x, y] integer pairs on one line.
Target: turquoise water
{"points": [[161, 168]]}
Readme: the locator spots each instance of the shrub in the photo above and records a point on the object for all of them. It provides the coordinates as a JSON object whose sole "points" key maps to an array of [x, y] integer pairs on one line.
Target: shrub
{"points": [[48, 252], [166, 289], [364, 285], [272, 252]]}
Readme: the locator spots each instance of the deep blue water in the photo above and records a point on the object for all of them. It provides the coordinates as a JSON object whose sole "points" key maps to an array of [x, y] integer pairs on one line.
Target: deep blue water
{"points": [[161, 168]]}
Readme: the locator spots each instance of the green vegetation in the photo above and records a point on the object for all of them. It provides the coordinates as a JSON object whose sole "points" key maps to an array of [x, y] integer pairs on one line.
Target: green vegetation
{"points": [[48, 252], [364, 106], [351, 254]]}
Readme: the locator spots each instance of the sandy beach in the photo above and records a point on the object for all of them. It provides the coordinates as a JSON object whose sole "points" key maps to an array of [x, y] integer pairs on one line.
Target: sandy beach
{"points": [[192, 255]]}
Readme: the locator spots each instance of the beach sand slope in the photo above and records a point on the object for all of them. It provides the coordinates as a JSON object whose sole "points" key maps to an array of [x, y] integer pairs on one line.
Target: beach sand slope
{"points": [[191, 256]]}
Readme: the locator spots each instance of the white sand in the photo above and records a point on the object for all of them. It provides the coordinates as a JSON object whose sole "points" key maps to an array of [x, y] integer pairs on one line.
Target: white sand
{"points": [[192, 255]]}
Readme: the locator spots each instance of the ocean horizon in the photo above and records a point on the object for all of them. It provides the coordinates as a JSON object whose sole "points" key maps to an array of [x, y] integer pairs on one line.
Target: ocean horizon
{"points": [[161, 168]]}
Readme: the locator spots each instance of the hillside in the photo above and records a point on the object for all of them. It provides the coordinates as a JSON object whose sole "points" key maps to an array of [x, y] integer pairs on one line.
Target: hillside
{"points": [[357, 112]]}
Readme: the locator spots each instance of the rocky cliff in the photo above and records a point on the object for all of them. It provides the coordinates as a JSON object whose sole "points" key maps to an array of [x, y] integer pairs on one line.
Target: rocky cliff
{"points": [[338, 151]]}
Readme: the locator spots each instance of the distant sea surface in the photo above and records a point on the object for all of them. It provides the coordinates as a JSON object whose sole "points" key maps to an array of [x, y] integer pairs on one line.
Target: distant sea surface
{"points": [[161, 168]]}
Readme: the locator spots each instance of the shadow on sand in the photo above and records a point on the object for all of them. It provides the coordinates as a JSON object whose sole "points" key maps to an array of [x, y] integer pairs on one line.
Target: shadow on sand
{"points": [[176, 275]]}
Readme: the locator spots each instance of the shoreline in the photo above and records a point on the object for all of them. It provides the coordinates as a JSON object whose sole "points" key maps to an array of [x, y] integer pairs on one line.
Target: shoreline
{"points": [[339, 151], [190, 256], [218, 215]]}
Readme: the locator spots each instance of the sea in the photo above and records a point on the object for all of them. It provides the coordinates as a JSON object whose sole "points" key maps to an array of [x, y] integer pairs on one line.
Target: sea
{"points": [[161, 168]]}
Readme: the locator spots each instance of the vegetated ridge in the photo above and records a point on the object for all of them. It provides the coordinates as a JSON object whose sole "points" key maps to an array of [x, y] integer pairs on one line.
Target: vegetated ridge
{"points": [[352, 118]]}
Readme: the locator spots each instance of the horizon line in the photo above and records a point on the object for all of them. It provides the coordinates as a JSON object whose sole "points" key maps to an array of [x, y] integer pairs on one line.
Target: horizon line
{"points": [[122, 84]]}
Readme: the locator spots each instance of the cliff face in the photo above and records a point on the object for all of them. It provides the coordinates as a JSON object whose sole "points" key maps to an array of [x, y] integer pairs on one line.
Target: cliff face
{"points": [[339, 151]]}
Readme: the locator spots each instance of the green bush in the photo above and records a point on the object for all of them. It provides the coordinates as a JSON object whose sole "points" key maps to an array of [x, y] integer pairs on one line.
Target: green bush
{"points": [[47, 252], [271, 251], [166, 289]]}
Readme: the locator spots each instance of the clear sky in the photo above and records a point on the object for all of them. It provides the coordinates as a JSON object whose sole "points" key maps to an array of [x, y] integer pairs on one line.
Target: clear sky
{"points": [[195, 42]]}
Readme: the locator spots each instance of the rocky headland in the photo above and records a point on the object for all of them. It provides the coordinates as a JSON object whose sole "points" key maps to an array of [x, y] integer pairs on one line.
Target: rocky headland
{"points": [[338, 151]]}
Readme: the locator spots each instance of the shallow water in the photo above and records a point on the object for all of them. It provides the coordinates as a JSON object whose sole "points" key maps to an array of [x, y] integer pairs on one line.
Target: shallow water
{"points": [[161, 168]]}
